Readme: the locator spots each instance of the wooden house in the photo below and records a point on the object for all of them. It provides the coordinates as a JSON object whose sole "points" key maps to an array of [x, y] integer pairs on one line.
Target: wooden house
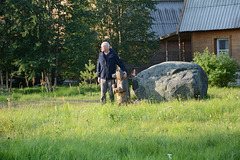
{"points": [[197, 24], [167, 16], [166, 20], [213, 24]]}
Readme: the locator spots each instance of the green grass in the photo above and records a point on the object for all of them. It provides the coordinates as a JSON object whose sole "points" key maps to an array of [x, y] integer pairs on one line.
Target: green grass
{"points": [[39, 93], [202, 130]]}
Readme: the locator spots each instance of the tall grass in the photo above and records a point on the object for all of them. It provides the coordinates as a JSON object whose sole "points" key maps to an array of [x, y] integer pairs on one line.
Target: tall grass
{"points": [[192, 129], [38, 93]]}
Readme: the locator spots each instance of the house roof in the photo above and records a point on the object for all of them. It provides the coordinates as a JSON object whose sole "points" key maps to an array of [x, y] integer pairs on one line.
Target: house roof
{"points": [[167, 0], [204, 15], [166, 17]]}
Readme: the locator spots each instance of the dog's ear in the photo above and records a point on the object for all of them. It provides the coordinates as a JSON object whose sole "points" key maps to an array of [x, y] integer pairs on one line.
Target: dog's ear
{"points": [[114, 75]]}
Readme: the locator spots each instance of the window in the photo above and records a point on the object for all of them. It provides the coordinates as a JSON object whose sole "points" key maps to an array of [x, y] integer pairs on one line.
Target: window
{"points": [[222, 46]]}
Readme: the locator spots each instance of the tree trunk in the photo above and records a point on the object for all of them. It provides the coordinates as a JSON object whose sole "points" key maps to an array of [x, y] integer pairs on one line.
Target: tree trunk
{"points": [[55, 83], [50, 81], [11, 80], [7, 79], [119, 32], [56, 73], [55, 76], [46, 87], [46, 82], [90, 87], [1, 78]]}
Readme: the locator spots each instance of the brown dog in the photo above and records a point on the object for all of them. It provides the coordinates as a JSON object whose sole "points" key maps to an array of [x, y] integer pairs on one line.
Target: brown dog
{"points": [[122, 88]]}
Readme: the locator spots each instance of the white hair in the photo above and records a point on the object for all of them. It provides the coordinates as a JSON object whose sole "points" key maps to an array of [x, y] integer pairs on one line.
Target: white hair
{"points": [[105, 43]]}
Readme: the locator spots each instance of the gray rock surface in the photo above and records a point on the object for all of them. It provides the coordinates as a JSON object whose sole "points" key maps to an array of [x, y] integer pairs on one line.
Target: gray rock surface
{"points": [[169, 80]]}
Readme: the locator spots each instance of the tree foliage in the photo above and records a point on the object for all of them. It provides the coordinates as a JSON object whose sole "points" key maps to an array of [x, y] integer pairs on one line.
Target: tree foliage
{"points": [[89, 74], [52, 38], [79, 38], [125, 24], [10, 31], [37, 36]]}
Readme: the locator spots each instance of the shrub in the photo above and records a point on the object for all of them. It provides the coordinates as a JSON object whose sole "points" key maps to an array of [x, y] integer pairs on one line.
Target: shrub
{"points": [[220, 69], [89, 74]]}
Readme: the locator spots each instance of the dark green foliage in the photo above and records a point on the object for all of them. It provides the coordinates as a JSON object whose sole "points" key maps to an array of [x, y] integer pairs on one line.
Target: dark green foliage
{"points": [[35, 31], [10, 31], [220, 70], [79, 38], [47, 39], [125, 24]]}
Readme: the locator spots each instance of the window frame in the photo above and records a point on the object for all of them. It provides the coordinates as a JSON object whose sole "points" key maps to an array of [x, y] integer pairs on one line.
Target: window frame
{"points": [[223, 50]]}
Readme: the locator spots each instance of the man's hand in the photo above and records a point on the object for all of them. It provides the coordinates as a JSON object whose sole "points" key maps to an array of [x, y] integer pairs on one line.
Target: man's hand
{"points": [[125, 74], [99, 80]]}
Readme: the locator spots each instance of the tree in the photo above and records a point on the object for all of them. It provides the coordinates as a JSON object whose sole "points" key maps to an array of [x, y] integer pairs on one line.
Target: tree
{"points": [[79, 38], [47, 36], [57, 38], [89, 74], [125, 24], [10, 31], [41, 41]]}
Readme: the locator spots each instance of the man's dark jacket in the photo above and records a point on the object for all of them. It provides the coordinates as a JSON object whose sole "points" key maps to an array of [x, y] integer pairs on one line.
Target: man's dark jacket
{"points": [[105, 69]]}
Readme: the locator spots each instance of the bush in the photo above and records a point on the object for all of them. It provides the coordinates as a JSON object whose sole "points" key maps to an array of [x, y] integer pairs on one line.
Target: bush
{"points": [[220, 69]]}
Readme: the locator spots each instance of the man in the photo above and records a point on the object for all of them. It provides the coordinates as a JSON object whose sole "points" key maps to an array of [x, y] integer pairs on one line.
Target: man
{"points": [[106, 66]]}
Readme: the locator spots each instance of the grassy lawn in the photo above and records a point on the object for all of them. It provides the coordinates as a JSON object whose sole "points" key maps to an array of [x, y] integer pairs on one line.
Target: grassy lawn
{"points": [[206, 129], [39, 94]]}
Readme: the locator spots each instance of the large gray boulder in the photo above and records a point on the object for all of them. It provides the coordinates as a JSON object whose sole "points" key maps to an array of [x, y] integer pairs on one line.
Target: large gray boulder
{"points": [[169, 80]]}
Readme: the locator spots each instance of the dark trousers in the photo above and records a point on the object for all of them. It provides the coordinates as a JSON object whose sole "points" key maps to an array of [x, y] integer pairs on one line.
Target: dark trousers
{"points": [[106, 84]]}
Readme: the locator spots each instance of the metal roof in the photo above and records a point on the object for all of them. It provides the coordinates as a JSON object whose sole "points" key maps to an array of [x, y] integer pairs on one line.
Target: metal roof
{"points": [[167, 0], [166, 17], [203, 15]]}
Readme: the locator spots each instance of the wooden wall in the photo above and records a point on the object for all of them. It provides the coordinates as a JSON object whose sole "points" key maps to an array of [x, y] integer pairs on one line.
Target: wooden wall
{"points": [[173, 52], [195, 41], [201, 40]]}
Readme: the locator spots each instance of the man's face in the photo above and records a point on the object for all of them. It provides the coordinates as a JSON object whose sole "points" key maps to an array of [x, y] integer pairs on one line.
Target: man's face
{"points": [[104, 48]]}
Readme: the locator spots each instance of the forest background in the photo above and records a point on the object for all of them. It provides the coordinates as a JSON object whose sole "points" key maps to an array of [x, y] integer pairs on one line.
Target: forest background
{"points": [[50, 40]]}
